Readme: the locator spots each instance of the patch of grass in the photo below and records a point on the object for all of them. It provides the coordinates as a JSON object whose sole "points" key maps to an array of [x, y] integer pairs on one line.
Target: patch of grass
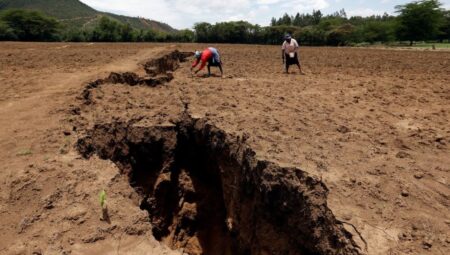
{"points": [[24, 152], [430, 45], [445, 45]]}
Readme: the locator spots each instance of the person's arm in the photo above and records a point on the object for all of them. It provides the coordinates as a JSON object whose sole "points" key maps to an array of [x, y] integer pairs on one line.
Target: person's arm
{"points": [[221, 70], [195, 64], [201, 66], [296, 45], [206, 56], [283, 51]]}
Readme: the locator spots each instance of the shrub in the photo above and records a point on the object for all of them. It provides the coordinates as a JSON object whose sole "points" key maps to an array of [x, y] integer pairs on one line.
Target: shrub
{"points": [[28, 25]]}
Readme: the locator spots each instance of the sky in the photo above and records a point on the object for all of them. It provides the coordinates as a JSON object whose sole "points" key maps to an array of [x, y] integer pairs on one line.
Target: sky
{"points": [[182, 14]]}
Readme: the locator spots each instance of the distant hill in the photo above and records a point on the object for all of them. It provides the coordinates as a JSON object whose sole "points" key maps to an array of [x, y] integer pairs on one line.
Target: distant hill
{"points": [[74, 13]]}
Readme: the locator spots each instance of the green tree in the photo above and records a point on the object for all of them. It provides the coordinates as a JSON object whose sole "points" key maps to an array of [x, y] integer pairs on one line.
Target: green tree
{"points": [[420, 20], [342, 35], [330, 22], [150, 36], [184, 35], [161, 37], [74, 35], [107, 30], [312, 35], [127, 33], [376, 31], [273, 22], [6, 33], [316, 17], [297, 21], [29, 25], [202, 32], [444, 33], [286, 20], [275, 35]]}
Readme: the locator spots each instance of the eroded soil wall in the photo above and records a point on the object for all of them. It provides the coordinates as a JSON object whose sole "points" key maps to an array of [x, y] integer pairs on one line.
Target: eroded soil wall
{"points": [[207, 193]]}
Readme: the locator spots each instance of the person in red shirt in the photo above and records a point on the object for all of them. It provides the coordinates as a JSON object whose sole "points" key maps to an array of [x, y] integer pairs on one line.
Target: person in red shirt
{"points": [[209, 56]]}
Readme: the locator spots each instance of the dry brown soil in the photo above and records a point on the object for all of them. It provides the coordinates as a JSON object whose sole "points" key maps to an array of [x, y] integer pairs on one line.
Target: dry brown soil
{"points": [[370, 125]]}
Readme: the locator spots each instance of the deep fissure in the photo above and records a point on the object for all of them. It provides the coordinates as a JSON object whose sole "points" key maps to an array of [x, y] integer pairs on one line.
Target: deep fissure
{"points": [[207, 193], [193, 210], [158, 71]]}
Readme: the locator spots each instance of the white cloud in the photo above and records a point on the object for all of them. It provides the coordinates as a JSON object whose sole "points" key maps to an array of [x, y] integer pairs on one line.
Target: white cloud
{"points": [[197, 7], [157, 10], [184, 13], [268, 1], [254, 15], [363, 12], [307, 5]]}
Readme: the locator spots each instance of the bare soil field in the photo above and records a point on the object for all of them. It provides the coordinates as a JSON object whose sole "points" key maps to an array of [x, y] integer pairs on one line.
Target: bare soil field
{"points": [[352, 158]]}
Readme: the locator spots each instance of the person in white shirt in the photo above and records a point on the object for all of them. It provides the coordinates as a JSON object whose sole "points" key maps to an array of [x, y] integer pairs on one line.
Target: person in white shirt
{"points": [[289, 53]]}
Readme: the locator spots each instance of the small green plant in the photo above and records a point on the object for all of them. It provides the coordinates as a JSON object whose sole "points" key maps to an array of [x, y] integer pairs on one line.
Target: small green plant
{"points": [[102, 198]]}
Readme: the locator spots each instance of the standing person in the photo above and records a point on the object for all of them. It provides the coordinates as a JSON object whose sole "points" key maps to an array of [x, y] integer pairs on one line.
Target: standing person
{"points": [[211, 56], [289, 53]]}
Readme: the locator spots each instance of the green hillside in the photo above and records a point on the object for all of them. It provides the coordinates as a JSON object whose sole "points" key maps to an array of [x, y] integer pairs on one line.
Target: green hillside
{"points": [[74, 13]]}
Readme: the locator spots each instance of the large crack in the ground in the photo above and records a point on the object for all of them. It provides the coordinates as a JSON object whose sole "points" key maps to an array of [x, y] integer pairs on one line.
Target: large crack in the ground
{"points": [[206, 192], [158, 71]]}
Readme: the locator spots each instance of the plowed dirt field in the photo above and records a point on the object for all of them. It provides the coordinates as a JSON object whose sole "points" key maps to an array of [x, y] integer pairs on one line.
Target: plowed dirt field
{"points": [[351, 158]]}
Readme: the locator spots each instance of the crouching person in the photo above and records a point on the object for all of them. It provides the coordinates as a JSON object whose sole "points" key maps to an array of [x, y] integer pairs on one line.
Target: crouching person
{"points": [[210, 57]]}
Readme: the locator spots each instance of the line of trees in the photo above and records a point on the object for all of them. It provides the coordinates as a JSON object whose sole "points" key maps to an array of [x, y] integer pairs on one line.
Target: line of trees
{"points": [[416, 21], [28, 25], [109, 30]]}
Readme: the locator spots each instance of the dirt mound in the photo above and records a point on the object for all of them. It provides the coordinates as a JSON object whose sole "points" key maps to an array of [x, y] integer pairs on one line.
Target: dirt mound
{"points": [[206, 191], [169, 62]]}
